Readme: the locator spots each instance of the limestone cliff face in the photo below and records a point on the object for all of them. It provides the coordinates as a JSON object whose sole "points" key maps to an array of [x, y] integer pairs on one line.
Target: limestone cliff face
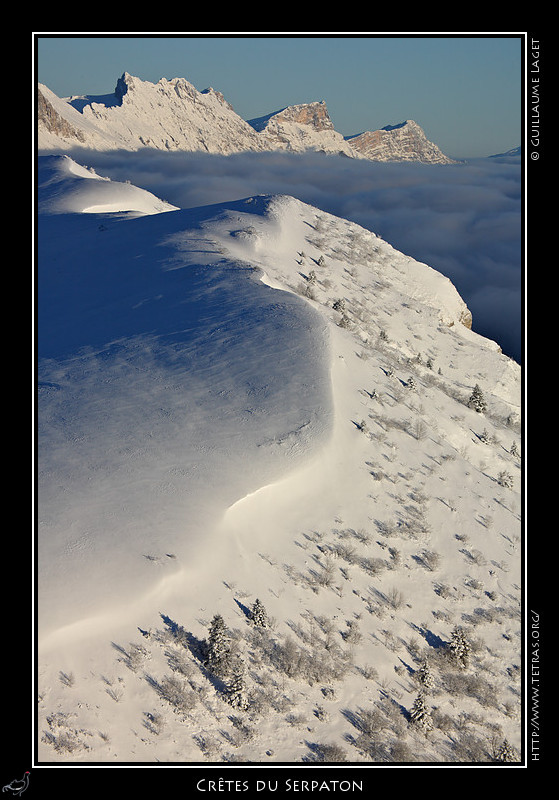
{"points": [[313, 114], [404, 142], [466, 319], [302, 127], [52, 121]]}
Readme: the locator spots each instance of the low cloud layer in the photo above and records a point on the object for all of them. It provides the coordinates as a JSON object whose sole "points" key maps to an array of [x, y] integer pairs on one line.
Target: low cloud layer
{"points": [[464, 220]]}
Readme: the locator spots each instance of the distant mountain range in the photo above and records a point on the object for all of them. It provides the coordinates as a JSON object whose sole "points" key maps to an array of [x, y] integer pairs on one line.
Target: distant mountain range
{"points": [[512, 153], [173, 115]]}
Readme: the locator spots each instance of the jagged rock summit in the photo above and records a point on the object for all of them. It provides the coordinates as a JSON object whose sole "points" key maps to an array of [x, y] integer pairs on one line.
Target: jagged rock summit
{"points": [[173, 115], [169, 115], [306, 126], [404, 142]]}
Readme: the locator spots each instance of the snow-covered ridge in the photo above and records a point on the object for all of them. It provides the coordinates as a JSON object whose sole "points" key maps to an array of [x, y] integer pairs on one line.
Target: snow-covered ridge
{"points": [[155, 278], [68, 187], [173, 115], [257, 399]]}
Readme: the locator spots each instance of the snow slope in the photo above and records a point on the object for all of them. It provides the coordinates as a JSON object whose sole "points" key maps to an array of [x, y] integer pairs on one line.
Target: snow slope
{"points": [[167, 115], [258, 399], [68, 187]]}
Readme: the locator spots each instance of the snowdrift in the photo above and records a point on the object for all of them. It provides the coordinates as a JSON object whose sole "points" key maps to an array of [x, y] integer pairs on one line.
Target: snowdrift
{"points": [[183, 382]]}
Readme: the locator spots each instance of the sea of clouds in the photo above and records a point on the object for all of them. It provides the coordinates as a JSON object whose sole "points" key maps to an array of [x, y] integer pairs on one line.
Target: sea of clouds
{"points": [[465, 220]]}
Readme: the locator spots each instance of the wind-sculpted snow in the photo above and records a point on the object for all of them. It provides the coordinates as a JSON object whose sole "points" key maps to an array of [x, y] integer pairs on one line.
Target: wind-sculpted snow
{"points": [[172, 382], [261, 400], [66, 186]]}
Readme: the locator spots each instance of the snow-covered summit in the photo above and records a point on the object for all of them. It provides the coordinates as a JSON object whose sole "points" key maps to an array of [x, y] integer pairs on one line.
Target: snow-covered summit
{"points": [[167, 115], [173, 115]]}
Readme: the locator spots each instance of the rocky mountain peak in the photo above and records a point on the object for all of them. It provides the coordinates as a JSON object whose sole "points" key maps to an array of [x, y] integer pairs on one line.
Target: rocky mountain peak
{"points": [[53, 123], [313, 114], [173, 115], [405, 141], [122, 85]]}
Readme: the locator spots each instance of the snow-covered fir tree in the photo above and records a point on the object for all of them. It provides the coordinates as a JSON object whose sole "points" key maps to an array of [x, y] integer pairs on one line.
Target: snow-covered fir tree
{"points": [[425, 677], [477, 400], [420, 716], [217, 648], [235, 692], [258, 614], [459, 648], [507, 753]]}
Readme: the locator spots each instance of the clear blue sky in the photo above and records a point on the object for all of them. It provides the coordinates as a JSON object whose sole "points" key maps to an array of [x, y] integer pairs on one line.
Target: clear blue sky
{"points": [[465, 90]]}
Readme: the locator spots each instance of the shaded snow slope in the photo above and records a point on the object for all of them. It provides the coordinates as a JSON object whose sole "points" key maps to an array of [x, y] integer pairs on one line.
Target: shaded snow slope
{"points": [[259, 399], [172, 382]]}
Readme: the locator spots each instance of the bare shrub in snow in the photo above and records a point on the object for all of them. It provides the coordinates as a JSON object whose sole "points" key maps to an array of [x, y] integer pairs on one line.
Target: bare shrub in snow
{"points": [[62, 736], [430, 560], [329, 753], [352, 635], [67, 678], [505, 479], [172, 689], [395, 598]]}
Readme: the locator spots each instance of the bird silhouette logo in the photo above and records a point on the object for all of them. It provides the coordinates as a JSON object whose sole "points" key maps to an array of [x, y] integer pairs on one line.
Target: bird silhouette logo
{"points": [[17, 787]]}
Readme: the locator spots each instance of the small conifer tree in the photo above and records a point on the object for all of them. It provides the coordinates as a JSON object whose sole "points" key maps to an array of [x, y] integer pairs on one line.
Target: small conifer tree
{"points": [[459, 648], [420, 716], [506, 753], [235, 691], [217, 648], [424, 676], [258, 614], [477, 400]]}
